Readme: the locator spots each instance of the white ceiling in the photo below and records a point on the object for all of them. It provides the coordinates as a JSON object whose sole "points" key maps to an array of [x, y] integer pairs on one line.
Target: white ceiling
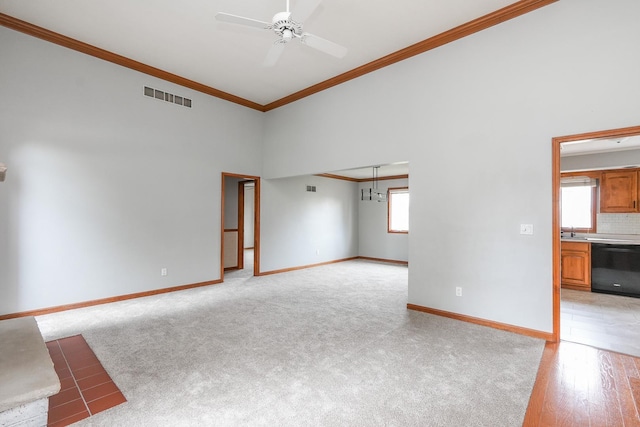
{"points": [[184, 38], [593, 146]]}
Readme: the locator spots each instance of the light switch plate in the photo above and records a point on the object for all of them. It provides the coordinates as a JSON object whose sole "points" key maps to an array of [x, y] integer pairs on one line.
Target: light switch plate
{"points": [[526, 228]]}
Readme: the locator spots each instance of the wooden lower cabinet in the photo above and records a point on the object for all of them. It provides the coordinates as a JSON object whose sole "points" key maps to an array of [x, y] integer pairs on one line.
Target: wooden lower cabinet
{"points": [[575, 265]]}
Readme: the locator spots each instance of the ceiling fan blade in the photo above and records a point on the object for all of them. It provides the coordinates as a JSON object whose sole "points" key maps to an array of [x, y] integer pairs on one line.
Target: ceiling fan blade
{"points": [[324, 45], [304, 9], [274, 54], [235, 19]]}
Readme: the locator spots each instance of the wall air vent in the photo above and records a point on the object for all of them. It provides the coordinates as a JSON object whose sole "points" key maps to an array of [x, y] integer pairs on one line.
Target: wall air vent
{"points": [[311, 188], [166, 96]]}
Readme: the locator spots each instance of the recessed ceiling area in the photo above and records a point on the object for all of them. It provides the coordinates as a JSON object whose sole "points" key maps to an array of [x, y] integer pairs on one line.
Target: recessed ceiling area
{"points": [[185, 39], [383, 171], [593, 146]]}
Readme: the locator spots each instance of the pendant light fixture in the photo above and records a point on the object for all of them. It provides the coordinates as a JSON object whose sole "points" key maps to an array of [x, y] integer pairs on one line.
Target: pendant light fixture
{"points": [[372, 193]]}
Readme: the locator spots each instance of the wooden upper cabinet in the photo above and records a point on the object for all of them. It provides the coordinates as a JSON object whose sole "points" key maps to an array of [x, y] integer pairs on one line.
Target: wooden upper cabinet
{"points": [[619, 191]]}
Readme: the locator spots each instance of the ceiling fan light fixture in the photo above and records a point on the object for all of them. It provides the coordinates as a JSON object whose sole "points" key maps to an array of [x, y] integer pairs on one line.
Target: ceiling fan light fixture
{"points": [[287, 29], [280, 17]]}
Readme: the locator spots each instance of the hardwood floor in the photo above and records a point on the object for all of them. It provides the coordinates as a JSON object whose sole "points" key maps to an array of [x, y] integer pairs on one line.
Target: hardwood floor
{"points": [[579, 385], [586, 380]]}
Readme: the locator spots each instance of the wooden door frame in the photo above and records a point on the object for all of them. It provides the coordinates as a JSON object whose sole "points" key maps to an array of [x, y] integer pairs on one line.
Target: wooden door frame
{"points": [[256, 222], [555, 169]]}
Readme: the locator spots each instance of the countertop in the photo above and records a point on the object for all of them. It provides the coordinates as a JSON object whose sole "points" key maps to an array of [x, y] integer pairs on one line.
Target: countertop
{"points": [[612, 239]]}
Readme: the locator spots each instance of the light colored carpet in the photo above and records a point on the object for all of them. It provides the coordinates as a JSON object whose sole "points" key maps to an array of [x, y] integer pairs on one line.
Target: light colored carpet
{"points": [[327, 346]]}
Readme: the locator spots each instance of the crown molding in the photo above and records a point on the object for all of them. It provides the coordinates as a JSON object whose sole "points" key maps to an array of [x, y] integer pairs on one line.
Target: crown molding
{"points": [[68, 42], [501, 15]]}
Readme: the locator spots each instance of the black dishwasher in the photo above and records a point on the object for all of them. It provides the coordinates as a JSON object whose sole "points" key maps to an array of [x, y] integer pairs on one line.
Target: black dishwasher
{"points": [[615, 269]]}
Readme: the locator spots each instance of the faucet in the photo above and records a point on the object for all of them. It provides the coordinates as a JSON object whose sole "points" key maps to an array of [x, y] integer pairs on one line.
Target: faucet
{"points": [[573, 233]]}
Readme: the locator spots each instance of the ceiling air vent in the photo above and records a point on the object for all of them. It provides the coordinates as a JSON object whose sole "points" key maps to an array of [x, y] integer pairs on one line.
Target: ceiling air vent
{"points": [[166, 96]]}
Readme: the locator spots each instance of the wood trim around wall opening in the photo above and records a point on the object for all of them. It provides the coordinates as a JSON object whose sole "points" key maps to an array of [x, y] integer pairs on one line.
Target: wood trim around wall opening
{"points": [[509, 12], [348, 178], [555, 228], [256, 220]]}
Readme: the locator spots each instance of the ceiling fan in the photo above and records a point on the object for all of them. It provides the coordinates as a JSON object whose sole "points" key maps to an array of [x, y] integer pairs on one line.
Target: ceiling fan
{"points": [[287, 29]]}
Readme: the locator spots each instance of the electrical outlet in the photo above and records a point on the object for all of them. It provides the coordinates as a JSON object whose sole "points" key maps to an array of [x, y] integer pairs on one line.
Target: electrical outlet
{"points": [[317, 251], [163, 272], [458, 291]]}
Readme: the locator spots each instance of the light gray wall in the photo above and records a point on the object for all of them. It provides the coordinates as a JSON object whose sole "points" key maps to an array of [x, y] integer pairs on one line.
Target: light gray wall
{"points": [[374, 240], [476, 118], [300, 228], [249, 211], [107, 186], [231, 202], [611, 160]]}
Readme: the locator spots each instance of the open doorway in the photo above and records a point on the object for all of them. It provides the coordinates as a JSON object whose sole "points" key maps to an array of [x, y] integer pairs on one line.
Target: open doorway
{"points": [[383, 193], [240, 224], [573, 272]]}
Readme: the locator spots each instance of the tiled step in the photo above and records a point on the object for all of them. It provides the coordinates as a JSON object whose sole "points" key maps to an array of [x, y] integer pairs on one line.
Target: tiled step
{"points": [[86, 388]]}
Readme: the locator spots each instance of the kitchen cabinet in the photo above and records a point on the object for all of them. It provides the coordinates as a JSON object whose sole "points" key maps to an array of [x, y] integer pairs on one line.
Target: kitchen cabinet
{"points": [[575, 265], [619, 192]]}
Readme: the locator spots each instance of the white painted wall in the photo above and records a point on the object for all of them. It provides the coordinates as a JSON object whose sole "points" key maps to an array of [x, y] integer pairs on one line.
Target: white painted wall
{"points": [[302, 228], [374, 240], [106, 186], [476, 118]]}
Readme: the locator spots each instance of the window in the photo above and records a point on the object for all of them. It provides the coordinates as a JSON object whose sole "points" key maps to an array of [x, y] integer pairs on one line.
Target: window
{"points": [[398, 210], [578, 200]]}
